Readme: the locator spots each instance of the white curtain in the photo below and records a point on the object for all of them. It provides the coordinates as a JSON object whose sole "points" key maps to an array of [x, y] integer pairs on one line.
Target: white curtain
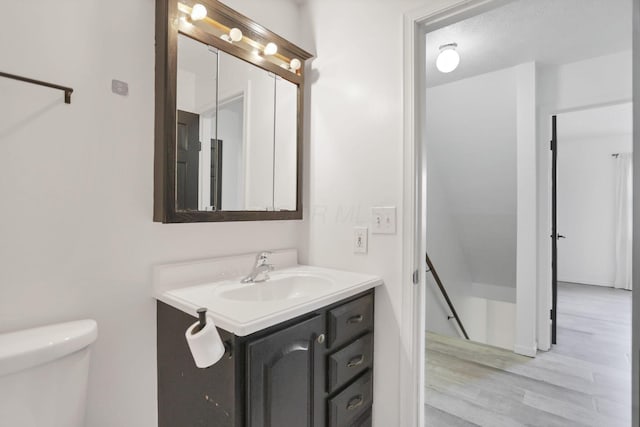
{"points": [[623, 212]]}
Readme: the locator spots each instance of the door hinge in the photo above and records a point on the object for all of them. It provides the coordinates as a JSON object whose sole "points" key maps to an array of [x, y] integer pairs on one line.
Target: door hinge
{"points": [[551, 314], [416, 277], [551, 145]]}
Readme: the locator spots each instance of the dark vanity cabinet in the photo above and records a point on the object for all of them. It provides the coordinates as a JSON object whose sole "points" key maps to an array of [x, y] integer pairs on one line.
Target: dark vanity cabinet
{"points": [[285, 376], [312, 371]]}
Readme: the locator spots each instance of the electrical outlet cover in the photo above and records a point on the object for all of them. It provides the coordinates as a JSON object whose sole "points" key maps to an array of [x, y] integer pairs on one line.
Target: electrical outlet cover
{"points": [[383, 220], [360, 240]]}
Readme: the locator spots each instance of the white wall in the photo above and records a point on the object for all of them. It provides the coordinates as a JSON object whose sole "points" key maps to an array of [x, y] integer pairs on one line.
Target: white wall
{"points": [[526, 274], [186, 90], [355, 159], [285, 146], [471, 202], [448, 257], [481, 136], [77, 189], [593, 82], [586, 203], [494, 322], [231, 133], [471, 136], [238, 77], [589, 82]]}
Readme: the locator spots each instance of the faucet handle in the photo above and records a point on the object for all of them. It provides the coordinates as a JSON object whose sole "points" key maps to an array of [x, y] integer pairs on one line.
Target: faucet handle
{"points": [[262, 257]]}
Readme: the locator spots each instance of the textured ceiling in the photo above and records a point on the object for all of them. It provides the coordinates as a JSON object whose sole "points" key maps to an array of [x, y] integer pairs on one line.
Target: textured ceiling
{"points": [[546, 31]]}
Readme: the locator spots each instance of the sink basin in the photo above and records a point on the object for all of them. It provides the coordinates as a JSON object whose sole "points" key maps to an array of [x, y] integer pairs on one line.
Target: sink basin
{"points": [[277, 288], [243, 309]]}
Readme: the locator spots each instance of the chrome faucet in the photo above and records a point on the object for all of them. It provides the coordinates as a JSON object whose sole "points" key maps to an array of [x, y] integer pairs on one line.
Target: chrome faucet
{"points": [[260, 270]]}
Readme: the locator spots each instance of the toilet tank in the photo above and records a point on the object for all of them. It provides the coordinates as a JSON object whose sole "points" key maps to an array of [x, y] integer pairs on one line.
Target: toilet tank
{"points": [[44, 373]]}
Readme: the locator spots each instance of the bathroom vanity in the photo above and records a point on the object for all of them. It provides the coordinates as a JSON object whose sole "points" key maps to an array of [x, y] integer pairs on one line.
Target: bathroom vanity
{"points": [[300, 357], [314, 370]]}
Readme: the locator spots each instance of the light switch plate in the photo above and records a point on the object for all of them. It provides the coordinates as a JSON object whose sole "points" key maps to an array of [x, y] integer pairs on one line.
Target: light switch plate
{"points": [[383, 220], [360, 240]]}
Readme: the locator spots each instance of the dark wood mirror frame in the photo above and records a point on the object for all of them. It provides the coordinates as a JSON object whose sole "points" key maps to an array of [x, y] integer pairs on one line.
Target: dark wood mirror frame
{"points": [[168, 25]]}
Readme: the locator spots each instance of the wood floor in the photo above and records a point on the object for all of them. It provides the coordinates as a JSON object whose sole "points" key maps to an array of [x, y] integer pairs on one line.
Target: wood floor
{"points": [[585, 380]]}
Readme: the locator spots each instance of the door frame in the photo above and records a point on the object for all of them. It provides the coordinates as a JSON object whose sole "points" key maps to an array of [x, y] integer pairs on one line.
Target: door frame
{"points": [[412, 356], [545, 271], [554, 228], [635, 326]]}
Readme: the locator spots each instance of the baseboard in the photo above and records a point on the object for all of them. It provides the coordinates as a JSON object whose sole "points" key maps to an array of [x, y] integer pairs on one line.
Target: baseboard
{"points": [[525, 350], [588, 283]]}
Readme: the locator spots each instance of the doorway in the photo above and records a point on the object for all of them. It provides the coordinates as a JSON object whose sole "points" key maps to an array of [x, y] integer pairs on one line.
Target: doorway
{"points": [[543, 103], [591, 237]]}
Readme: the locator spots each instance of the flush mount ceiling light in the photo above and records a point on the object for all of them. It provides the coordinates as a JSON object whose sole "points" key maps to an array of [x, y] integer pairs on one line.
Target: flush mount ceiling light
{"points": [[448, 59]]}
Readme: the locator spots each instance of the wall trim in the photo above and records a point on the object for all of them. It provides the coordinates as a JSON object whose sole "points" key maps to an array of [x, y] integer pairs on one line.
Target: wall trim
{"points": [[526, 207], [525, 351], [635, 326]]}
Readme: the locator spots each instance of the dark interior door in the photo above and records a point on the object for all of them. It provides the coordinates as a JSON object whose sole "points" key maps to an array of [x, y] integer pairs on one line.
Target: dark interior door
{"points": [[554, 228], [187, 160], [216, 174]]}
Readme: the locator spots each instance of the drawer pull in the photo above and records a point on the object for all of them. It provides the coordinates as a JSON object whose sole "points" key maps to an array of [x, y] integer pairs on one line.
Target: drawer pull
{"points": [[356, 361], [354, 403], [356, 319]]}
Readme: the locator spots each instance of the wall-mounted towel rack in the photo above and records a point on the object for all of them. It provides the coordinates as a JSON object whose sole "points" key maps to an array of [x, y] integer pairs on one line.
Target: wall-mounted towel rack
{"points": [[67, 90]]}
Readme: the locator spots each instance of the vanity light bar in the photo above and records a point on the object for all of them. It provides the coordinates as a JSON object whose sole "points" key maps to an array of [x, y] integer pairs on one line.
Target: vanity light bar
{"points": [[270, 49]]}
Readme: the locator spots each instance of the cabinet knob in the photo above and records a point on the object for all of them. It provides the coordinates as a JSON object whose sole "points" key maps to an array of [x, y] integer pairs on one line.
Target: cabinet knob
{"points": [[321, 338]]}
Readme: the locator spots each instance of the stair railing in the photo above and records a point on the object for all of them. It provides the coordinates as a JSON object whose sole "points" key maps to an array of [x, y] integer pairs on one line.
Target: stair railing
{"points": [[436, 277]]}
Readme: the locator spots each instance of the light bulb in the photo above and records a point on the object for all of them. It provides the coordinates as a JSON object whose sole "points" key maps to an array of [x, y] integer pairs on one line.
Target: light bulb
{"points": [[235, 34], [186, 21], [198, 12], [295, 64], [270, 49], [448, 59], [226, 38]]}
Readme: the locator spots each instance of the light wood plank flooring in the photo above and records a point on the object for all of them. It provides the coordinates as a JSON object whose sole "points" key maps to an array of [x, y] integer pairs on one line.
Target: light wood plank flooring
{"points": [[583, 381]]}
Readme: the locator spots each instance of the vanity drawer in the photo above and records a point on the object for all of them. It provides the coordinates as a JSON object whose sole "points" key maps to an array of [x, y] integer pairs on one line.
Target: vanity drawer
{"points": [[350, 361], [354, 401], [350, 320], [365, 420]]}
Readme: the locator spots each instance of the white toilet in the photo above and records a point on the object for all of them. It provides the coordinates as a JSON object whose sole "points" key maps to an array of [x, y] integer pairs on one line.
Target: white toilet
{"points": [[44, 373]]}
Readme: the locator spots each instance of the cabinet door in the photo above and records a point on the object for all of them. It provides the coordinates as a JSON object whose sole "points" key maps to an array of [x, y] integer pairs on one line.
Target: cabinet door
{"points": [[286, 377]]}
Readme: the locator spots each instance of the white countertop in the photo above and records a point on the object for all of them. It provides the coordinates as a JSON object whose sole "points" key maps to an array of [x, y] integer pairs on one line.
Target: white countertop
{"points": [[246, 317]]}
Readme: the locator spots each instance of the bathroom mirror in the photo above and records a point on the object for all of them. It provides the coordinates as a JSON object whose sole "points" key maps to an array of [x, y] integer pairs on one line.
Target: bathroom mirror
{"points": [[228, 117]]}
